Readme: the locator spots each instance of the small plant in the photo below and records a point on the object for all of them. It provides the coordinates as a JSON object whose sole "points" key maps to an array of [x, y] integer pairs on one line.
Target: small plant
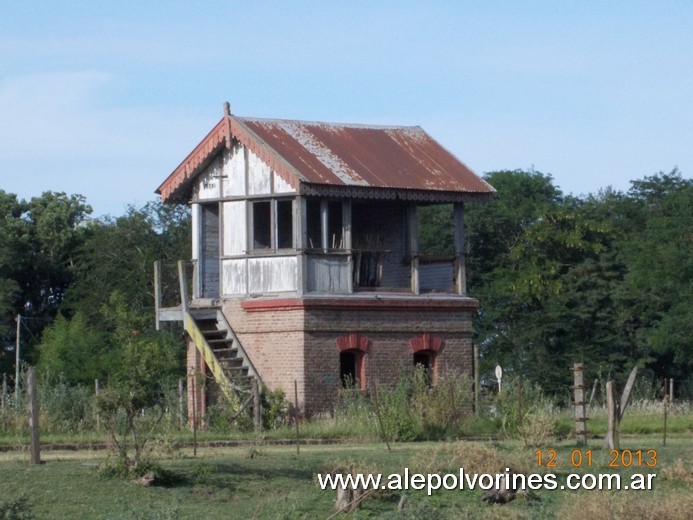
{"points": [[400, 422], [539, 424], [275, 408], [16, 508]]}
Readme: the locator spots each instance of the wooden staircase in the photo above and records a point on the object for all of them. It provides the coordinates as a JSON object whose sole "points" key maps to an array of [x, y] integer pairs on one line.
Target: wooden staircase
{"points": [[223, 353]]}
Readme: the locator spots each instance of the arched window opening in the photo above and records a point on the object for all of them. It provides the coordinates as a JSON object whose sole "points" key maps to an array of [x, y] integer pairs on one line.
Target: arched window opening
{"points": [[424, 360], [350, 363]]}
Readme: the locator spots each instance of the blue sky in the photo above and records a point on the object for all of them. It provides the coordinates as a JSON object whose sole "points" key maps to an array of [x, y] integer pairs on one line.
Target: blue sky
{"points": [[106, 98]]}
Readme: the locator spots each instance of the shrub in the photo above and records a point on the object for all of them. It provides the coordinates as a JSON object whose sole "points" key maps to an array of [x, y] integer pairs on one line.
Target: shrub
{"points": [[400, 420], [16, 509]]}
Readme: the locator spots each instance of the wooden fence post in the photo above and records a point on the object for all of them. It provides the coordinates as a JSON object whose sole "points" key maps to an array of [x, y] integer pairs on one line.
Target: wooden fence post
{"points": [[579, 402], [298, 436], [180, 403], [96, 394], [257, 406], [611, 440], [477, 390], [33, 417], [3, 398]]}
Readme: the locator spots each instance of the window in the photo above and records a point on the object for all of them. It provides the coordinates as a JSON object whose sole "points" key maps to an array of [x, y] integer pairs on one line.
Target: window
{"points": [[262, 225], [313, 223], [329, 212], [349, 369], [425, 360], [334, 225], [285, 224], [272, 225]]}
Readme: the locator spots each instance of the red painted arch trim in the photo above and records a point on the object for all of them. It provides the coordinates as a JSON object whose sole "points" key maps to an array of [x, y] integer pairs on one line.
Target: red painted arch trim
{"points": [[353, 341], [426, 342]]}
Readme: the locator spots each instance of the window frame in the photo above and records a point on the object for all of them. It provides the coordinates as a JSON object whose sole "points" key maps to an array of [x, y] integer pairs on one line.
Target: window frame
{"points": [[273, 225]]}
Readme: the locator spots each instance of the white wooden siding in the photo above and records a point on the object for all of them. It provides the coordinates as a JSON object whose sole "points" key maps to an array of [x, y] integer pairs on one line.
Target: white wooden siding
{"points": [[235, 228], [234, 277], [207, 184], [258, 176], [328, 274], [234, 171], [281, 186], [277, 274]]}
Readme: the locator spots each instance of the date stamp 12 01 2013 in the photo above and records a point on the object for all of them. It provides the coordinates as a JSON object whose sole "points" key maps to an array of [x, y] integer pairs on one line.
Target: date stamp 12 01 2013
{"points": [[583, 458]]}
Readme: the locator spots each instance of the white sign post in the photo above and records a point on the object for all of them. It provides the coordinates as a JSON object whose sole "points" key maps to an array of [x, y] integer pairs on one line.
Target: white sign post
{"points": [[499, 376]]}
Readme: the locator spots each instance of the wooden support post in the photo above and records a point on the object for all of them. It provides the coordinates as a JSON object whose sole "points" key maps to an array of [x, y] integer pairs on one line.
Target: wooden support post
{"points": [[194, 413], [625, 397], [460, 268], [157, 293], [666, 409], [180, 403], [477, 382], [348, 243], [183, 282], [324, 224], [579, 402], [671, 389], [611, 440], [17, 358], [34, 417], [3, 396], [257, 406], [96, 395], [414, 248], [298, 435]]}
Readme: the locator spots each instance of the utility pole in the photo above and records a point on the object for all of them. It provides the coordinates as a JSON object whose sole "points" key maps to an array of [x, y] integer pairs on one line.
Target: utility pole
{"points": [[17, 352]]}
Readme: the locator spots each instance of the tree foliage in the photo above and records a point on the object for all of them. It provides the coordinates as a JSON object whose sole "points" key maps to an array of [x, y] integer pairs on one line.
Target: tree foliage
{"points": [[605, 279]]}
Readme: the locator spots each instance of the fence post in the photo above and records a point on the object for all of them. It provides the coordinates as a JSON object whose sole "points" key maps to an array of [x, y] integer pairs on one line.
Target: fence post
{"points": [[180, 403], [96, 394], [33, 417], [3, 399], [257, 411], [477, 380], [579, 402], [298, 435], [611, 440], [157, 293]]}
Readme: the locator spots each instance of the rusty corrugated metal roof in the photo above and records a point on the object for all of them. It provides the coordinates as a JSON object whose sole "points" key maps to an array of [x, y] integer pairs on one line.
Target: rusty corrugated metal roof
{"points": [[366, 156]]}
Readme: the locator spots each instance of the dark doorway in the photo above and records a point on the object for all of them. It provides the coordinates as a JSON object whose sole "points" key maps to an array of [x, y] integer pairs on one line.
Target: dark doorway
{"points": [[349, 369], [209, 251], [424, 360]]}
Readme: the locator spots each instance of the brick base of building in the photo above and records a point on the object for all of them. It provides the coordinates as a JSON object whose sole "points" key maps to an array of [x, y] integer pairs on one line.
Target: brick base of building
{"points": [[301, 340]]}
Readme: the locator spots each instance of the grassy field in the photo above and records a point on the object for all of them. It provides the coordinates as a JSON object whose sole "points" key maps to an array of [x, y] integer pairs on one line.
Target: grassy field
{"points": [[265, 481]]}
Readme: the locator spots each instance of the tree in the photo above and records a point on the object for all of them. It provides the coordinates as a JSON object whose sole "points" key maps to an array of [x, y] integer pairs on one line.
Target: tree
{"points": [[75, 350], [657, 293], [117, 255]]}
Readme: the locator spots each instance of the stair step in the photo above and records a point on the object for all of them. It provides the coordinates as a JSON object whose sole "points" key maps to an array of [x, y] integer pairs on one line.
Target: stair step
{"points": [[218, 341], [212, 332], [232, 363], [225, 350]]}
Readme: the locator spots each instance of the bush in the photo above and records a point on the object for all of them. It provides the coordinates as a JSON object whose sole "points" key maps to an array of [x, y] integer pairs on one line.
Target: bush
{"points": [[16, 509], [400, 420]]}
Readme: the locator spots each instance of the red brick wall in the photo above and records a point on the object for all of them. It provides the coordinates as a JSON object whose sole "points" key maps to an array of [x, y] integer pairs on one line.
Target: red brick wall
{"points": [[274, 344], [297, 341]]}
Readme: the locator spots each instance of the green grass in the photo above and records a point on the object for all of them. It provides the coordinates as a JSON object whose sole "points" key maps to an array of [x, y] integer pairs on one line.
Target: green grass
{"points": [[273, 482]]}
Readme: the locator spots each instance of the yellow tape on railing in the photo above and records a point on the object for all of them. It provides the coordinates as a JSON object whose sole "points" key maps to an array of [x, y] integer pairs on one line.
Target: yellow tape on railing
{"points": [[211, 360]]}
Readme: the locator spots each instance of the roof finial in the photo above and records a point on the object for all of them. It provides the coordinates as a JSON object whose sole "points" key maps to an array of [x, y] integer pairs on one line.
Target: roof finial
{"points": [[227, 108]]}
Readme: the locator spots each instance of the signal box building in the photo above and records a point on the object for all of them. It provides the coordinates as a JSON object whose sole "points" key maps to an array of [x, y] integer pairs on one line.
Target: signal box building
{"points": [[307, 269]]}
